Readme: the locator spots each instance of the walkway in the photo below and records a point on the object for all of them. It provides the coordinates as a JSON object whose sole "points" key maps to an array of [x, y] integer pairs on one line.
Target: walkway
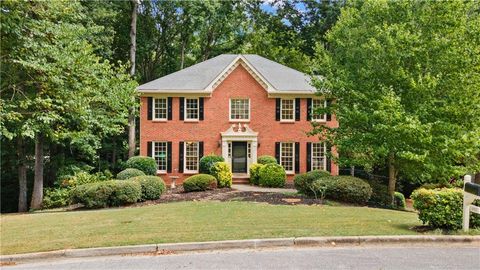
{"points": [[240, 187]]}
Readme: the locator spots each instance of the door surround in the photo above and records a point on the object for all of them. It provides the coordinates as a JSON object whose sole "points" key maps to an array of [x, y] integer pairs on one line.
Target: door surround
{"points": [[240, 133]]}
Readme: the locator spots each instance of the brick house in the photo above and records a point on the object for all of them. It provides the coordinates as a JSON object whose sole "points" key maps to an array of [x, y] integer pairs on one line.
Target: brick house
{"points": [[237, 106]]}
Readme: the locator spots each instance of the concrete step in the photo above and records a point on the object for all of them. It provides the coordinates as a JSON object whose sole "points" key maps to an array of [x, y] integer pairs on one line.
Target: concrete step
{"points": [[240, 180]]}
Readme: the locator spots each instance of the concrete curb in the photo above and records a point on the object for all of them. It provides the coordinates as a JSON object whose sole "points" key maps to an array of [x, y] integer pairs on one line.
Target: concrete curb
{"points": [[242, 244]]}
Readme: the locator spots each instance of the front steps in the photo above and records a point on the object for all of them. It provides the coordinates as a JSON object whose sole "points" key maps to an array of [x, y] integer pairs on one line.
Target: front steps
{"points": [[240, 178]]}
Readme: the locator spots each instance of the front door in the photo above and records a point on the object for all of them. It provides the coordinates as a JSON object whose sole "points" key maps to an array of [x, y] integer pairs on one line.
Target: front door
{"points": [[239, 157]]}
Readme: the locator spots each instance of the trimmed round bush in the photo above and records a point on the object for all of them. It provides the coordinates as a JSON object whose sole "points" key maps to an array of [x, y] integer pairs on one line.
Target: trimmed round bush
{"points": [[348, 189], [199, 182], [152, 186], [144, 164], [399, 201], [129, 173], [266, 160], [304, 181], [255, 173], [272, 175], [221, 171], [94, 195], [126, 192], [207, 163]]}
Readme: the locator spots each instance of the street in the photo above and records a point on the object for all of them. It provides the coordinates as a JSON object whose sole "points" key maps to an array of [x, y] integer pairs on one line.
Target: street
{"points": [[374, 257]]}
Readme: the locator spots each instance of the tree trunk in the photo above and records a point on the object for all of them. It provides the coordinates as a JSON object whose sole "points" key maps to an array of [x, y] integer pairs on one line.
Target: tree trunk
{"points": [[392, 176], [133, 49], [182, 60], [37, 194], [22, 176]]}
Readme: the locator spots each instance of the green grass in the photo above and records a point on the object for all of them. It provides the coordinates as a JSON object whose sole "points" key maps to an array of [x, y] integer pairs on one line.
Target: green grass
{"points": [[193, 221]]}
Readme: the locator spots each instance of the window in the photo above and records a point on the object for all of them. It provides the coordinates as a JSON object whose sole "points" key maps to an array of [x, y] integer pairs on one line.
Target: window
{"points": [[160, 155], [249, 150], [191, 109], [316, 104], [287, 110], [318, 156], [229, 150], [239, 109], [191, 157], [287, 156], [160, 109]]}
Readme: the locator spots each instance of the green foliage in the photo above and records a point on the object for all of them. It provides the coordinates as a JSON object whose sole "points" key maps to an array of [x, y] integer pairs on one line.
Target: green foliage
{"points": [[56, 197], [207, 163], [272, 175], [199, 182], [342, 188], [144, 164], [380, 196], [107, 193], [399, 201], [129, 173], [255, 173], [82, 177], [125, 192], [303, 181], [152, 186], [442, 208], [221, 171], [265, 159]]}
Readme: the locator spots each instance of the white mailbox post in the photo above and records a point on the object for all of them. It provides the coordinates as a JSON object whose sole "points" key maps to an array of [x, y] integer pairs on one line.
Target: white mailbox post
{"points": [[471, 192]]}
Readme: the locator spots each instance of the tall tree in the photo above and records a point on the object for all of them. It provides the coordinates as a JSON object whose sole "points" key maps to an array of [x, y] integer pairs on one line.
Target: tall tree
{"points": [[133, 50], [405, 79]]}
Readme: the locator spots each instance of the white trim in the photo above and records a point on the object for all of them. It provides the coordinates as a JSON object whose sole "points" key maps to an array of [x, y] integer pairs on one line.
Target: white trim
{"points": [[293, 157], [185, 110], [230, 111], [166, 153], [154, 118], [324, 155], [281, 110], [185, 171], [322, 120]]}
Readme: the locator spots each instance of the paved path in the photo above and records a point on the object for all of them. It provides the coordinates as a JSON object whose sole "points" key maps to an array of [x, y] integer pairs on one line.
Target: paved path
{"points": [[412, 257], [261, 189]]}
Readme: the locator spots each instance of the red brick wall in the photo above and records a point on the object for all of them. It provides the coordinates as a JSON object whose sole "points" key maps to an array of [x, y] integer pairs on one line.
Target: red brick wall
{"points": [[216, 119]]}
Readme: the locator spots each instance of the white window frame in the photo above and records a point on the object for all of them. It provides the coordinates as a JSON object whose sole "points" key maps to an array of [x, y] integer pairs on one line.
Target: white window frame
{"points": [[230, 110], [293, 157], [185, 170], [166, 158], [324, 156], [154, 111], [185, 109], [324, 117], [281, 110]]}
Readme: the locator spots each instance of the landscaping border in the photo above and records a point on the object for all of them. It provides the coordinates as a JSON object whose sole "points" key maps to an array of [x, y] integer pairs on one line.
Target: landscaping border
{"points": [[242, 244]]}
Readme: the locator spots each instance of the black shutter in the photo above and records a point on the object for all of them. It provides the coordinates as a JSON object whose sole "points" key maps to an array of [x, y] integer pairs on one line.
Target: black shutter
{"points": [[169, 157], [200, 108], [297, 109], [169, 108], [200, 150], [182, 102], [297, 157], [329, 159], [277, 152], [277, 109], [180, 157], [329, 114], [150, 108], [309, 109], [149, 149], [309, 156]]}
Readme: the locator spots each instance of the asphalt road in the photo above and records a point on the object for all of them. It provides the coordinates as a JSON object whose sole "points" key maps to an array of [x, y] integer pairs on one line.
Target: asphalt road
{"points": [[414, 257]]}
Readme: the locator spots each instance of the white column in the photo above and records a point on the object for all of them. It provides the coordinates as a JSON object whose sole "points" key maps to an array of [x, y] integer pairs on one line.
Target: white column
{"points": [[467, 200]]}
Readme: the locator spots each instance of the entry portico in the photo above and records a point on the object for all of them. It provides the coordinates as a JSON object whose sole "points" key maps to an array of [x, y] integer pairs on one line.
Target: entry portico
{"points": [[239, 147]]}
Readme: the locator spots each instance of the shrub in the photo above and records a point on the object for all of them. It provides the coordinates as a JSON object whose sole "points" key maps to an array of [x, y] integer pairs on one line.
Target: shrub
{"points": [[303, 181], [272, 175], [129, 173], [442, 208], [125, 192], [266, 159], [207, 162], [199, 182], [221, 171], [399, 201], [83, 177], [144, 164], [380, 196], [94, 195], [349, 189], [152, 186], [56, 197], [255, 173]]}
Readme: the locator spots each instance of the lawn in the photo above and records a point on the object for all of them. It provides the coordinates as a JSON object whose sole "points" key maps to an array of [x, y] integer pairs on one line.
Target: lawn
{"points": [[193, 221]]}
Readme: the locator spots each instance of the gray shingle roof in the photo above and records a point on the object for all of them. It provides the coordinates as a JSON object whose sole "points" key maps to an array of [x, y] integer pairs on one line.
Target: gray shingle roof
{"points": [[201, 75]]}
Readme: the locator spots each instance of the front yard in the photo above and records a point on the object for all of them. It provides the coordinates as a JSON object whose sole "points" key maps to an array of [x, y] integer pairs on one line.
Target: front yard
{"points": [[194, 221]]}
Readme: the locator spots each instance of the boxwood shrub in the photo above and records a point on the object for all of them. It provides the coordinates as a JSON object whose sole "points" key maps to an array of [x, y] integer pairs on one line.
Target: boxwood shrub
{"points": [[343, 188], [129, 173], [221, 171], [272, 175], [266, 159], [380, 196], [199, 182], [107, 193], [399, 201], [303, 181], [144, 164], [152, 186], [255, 173], [207, 162], [125, 192]]}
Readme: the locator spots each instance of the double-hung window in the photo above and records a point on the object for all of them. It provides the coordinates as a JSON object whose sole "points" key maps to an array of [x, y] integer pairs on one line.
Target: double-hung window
{"points": [[319, 161], [160, 106], [287, 156], [239, 109], [318, 104], [191, 109], [160, 155], [287, 112], [191, 157]]}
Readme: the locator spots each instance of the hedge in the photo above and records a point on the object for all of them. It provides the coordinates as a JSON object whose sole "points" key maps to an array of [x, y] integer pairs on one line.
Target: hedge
{"points": [[152, 186], [207, 162], [255, 173], [199, 182], [148, 165], [343, 188], [266, 160], [221, 171], [272, 175], [303, 181], [129, 173], [125, 192], [107, 193]]}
